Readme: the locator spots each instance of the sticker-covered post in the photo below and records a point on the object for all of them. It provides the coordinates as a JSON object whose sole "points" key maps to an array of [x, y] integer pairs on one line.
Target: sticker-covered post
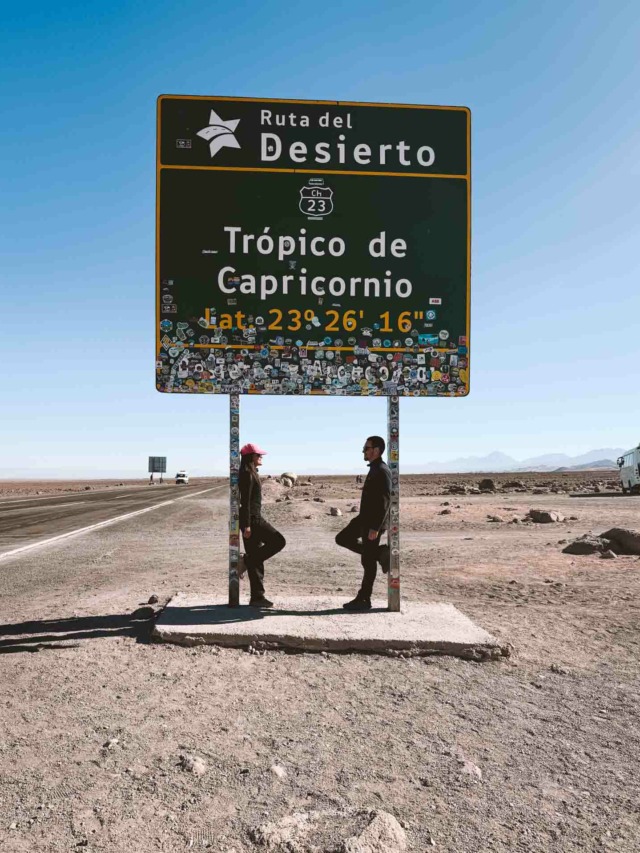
{"points": [[234, 499], [393, 441]]}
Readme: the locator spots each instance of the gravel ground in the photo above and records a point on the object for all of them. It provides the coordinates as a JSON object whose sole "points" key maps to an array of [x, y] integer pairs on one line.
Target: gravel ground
{"points": [[99, 728]]}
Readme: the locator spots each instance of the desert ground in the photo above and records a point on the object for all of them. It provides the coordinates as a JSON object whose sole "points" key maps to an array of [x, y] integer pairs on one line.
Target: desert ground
{"points": [[109, 742]]}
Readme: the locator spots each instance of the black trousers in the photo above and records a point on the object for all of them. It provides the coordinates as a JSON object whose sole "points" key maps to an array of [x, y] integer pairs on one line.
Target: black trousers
{"points": [[264, 542], [355, 537]]}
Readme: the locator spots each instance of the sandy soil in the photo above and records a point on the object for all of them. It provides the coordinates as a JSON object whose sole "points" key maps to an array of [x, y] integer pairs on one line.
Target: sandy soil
{"points": [[537, 752]]}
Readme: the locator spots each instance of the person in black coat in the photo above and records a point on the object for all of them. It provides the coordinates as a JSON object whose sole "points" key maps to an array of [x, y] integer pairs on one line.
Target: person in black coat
{"points": [[362, 534], [261, 539]]}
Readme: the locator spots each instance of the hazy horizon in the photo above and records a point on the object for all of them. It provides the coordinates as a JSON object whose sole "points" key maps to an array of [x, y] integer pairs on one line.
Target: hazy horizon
{"points": [[269, 469]]}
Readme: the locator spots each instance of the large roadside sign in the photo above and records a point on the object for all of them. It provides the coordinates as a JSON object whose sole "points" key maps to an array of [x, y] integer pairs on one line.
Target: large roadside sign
{"points": [[157, 464], [312, 247]]}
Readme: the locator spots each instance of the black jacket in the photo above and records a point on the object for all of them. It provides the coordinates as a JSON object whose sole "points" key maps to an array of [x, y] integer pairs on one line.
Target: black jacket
{"points": [[250, 498], [376, 496]]}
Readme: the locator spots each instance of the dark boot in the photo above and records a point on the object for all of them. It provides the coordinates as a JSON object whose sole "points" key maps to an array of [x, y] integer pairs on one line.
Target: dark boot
{"points": [[358, 603], [260, 602]]}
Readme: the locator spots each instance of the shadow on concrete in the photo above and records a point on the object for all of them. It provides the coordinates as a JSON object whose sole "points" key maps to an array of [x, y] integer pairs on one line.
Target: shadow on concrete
{"points": [[61, 633], [222, 614]]}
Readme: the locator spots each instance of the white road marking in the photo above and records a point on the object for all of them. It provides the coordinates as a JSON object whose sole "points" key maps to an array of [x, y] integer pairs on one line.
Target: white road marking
{"points": [[100, 524]]}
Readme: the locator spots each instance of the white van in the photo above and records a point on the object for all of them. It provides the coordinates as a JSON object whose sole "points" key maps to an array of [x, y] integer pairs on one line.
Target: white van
{"points": [[629, 466], [182, 478]]}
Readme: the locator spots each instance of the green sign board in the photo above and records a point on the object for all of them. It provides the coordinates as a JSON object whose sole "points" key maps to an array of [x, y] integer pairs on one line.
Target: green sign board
{"points": [[312, 247], [157, 464]]}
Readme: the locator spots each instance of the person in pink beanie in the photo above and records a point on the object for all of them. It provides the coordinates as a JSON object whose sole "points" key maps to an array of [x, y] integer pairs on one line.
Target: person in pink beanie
{"points": [[261, 539]]}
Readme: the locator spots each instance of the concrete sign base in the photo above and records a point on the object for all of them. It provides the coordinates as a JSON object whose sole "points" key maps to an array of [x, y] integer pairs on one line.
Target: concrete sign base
{"points": [[320, 624]]}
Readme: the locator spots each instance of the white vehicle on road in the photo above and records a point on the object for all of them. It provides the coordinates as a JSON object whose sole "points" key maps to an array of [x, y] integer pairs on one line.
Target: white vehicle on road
{"points": [[182, 478], [629, 466]]}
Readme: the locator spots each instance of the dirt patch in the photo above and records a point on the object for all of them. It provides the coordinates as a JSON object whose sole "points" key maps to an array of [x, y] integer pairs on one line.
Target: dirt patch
{"points": [[538, 752]]}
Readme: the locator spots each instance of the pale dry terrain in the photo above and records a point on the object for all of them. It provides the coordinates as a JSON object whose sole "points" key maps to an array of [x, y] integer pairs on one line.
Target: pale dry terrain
{"points": [[537, 752]]}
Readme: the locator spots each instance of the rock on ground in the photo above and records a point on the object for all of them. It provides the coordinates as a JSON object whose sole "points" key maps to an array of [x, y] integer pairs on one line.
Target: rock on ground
{"points": [[455, 490], [383, 835], [303, 832], [487, 485], [284, 834], [587, 544], [193, 764], [623, 540], [468, 768], [290, 476], [617, 540], [543, 516]]}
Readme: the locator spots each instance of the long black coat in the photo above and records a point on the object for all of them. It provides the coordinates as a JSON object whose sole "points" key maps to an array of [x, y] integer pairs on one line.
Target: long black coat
{"points": [[250, 497], [376, 496]]}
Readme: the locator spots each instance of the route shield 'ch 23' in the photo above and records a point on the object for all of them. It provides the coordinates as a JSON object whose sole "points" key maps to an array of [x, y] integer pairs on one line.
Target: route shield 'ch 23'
{"points": [[315, 199], [312, 247]]}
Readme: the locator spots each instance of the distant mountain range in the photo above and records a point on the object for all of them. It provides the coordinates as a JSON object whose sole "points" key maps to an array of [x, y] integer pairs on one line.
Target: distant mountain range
{"points": [[496, 461]]}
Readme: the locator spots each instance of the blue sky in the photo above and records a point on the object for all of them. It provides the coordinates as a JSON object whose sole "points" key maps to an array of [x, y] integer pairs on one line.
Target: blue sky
{"points": [[554, 94]]}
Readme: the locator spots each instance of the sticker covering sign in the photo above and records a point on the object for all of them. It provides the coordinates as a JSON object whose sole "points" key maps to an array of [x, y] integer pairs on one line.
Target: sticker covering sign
{"points": [[309, 247]]}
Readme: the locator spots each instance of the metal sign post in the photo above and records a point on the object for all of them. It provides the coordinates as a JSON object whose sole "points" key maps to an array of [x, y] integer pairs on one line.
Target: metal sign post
{"points": [[393, 443], [234, 499], [157, 465], [312, 248]]}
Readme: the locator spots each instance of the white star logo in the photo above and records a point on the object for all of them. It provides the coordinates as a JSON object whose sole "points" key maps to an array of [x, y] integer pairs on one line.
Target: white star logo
{"points": [[219, 134]]}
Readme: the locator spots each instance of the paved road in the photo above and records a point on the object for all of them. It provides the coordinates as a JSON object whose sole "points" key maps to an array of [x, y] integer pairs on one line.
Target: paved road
{"points": [[24, 521]]}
